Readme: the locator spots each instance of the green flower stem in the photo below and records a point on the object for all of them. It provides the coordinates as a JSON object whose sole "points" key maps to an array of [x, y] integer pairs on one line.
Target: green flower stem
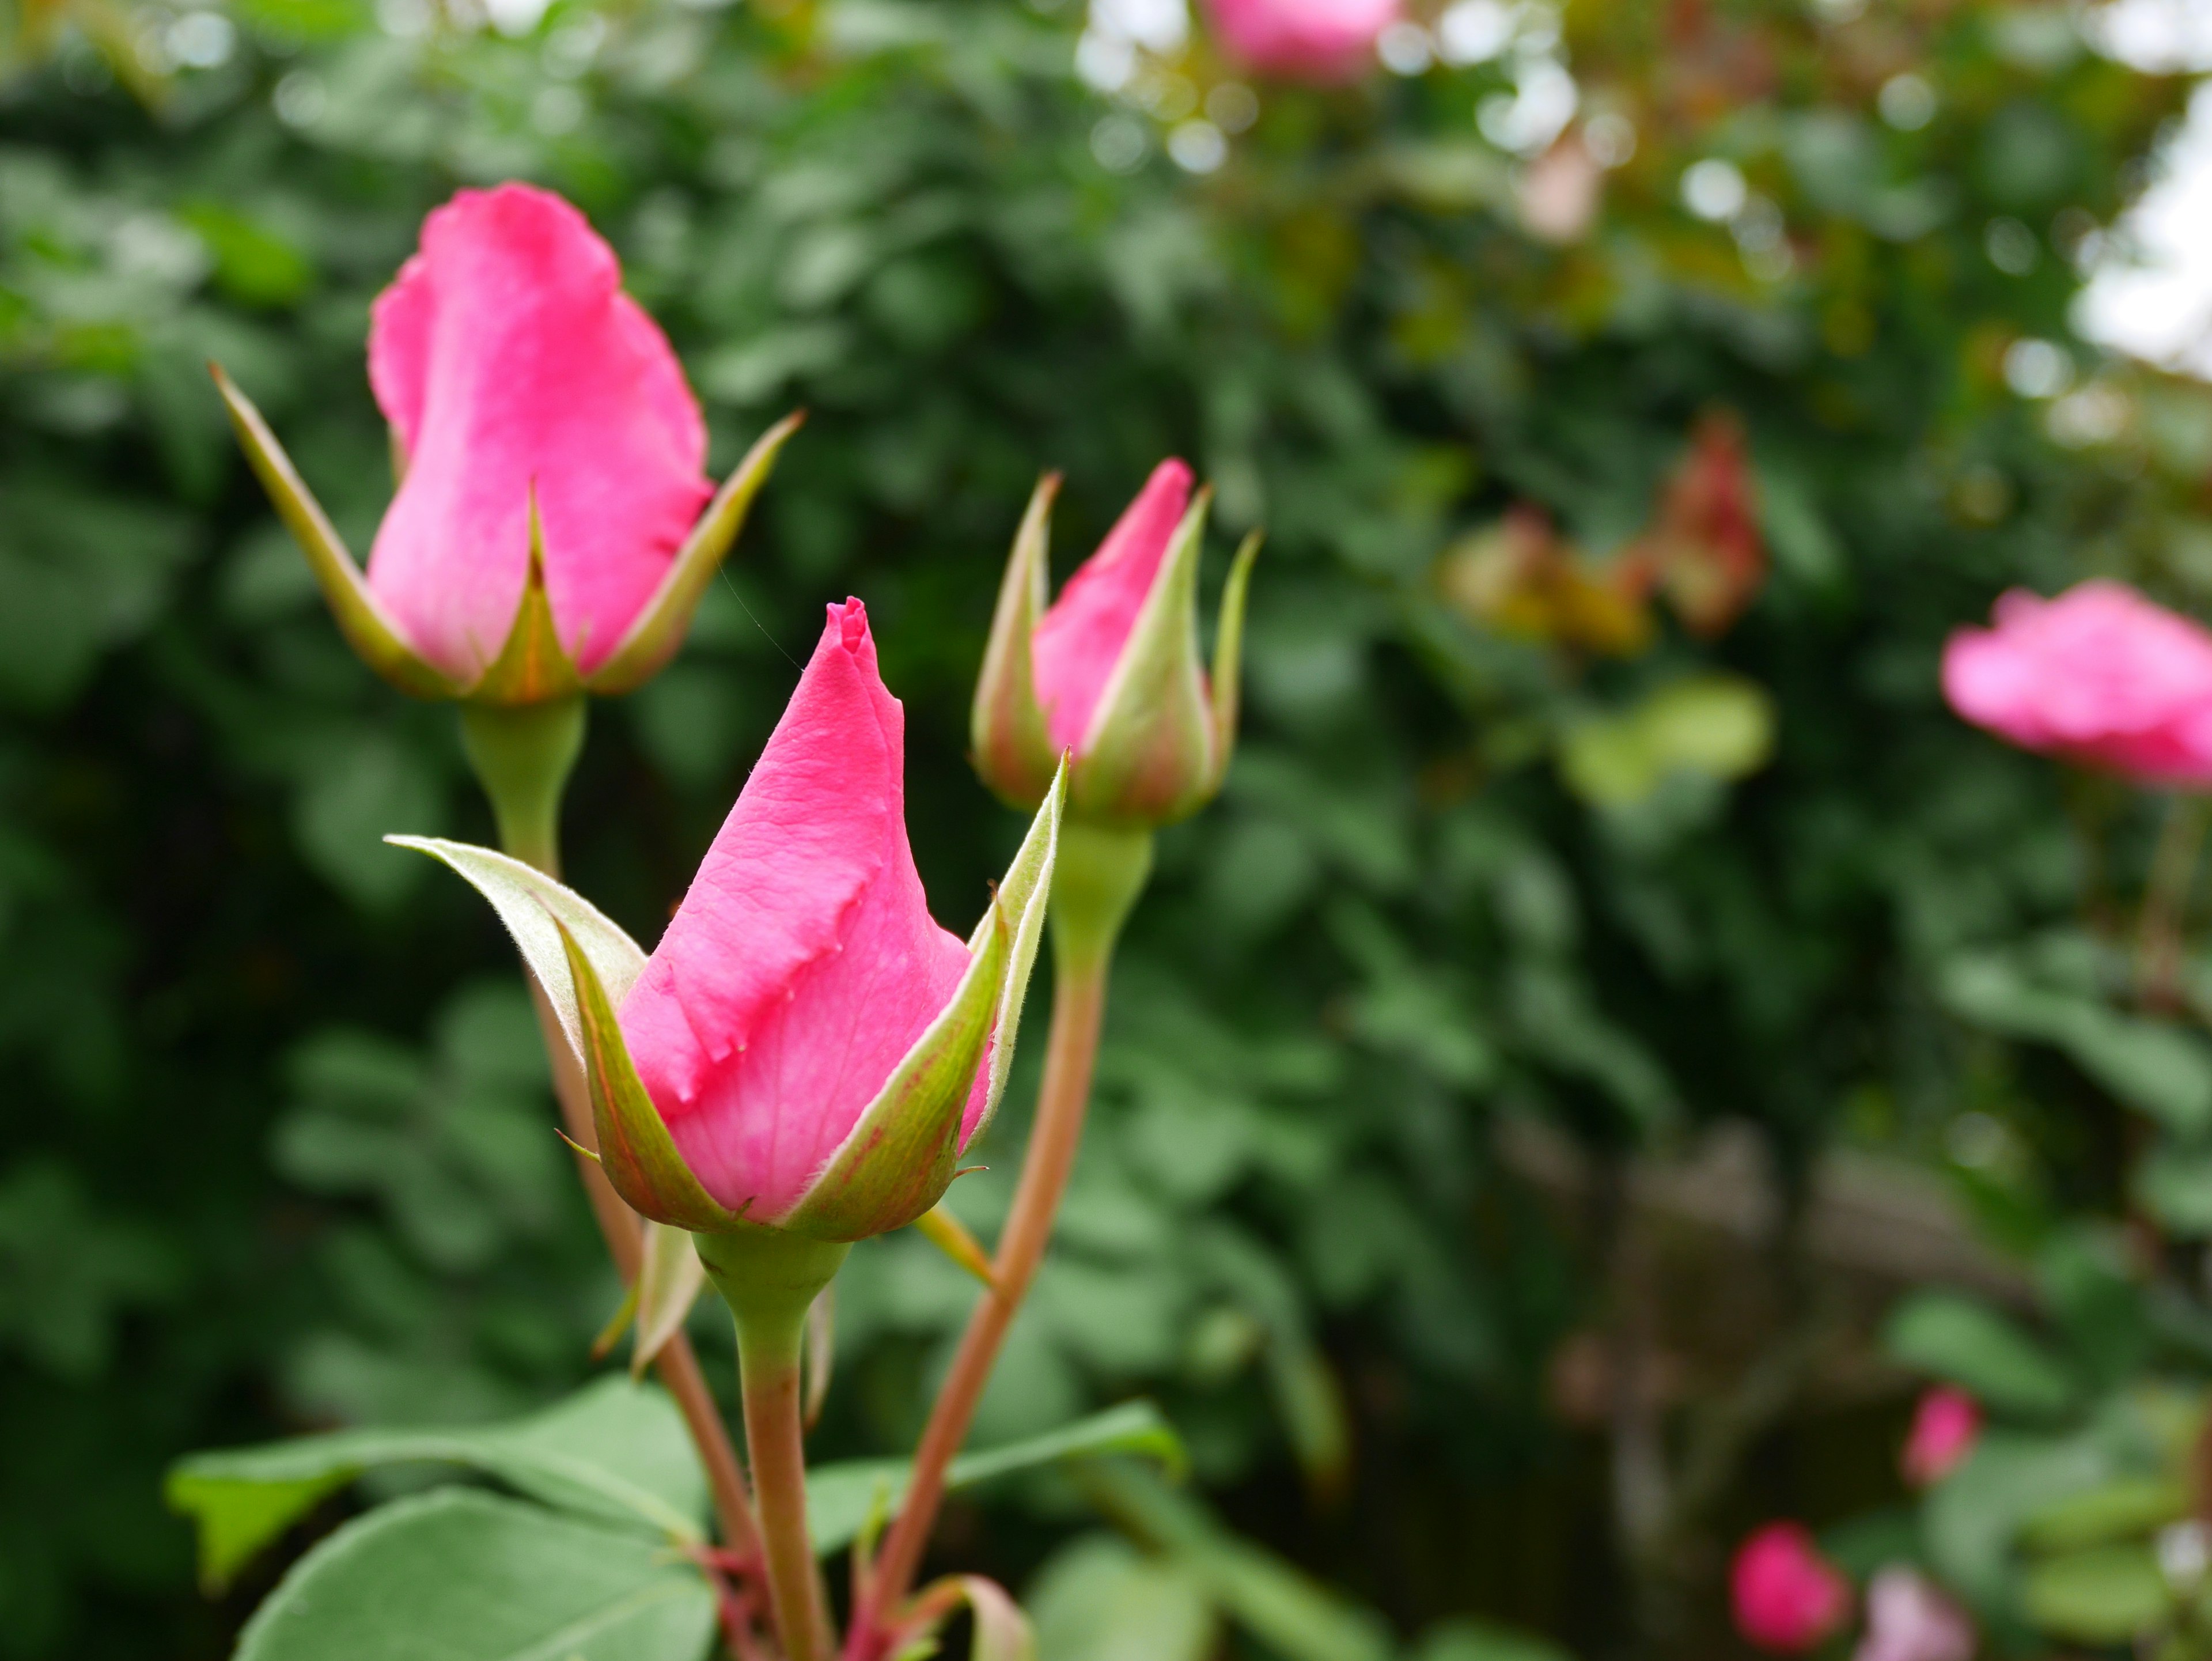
{"points": [[522, 755], [1098, 875], [770, 1280], [2166, 903]]}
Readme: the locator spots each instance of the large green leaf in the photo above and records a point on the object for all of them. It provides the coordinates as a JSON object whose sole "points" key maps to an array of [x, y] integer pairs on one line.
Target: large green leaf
{"points": [[459, 1575], [2105, 1595], [1101, 1599], [840, 1497], [614, 1451], [1971, 1344]]}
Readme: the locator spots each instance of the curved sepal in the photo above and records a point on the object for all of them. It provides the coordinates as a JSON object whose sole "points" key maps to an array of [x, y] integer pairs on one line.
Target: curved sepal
{"points": [[1150, 755], [1228, 657], [373, 634], [1021, 900], [1013, 751], [636, 1150], [1001, 1630], [537, 910], [898, 1160], [669, 1278], [658, 630], [532, 665]]}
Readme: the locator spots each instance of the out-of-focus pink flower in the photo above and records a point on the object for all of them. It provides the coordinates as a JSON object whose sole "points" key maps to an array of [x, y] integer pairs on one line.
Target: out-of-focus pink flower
{"points": [[1109, 674], [1558, 192], [1786, 1596], [1316, 40], [512, 366], [1944, 1428], [1909, 1619], [2100, 675], [802, 964]]}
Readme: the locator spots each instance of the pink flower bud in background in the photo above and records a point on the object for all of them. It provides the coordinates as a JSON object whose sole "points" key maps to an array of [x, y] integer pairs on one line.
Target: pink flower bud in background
{"points": [[1786, 1596], [1318, 40], [1078, 643], [1944, 1428], [1109, 673], [1909, 1619], [510, 363], [803, 964], [2100, 675]]}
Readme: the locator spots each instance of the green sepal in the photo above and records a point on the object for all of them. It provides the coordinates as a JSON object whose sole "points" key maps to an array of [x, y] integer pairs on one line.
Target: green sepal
{"points": [[658, 628], [532, 665], [1228, 657], [1150, 756], [1024, 894], [636, 1150], [361, 618], [949, 1235], [669, 1278], [544, 916], [1012, 750]]}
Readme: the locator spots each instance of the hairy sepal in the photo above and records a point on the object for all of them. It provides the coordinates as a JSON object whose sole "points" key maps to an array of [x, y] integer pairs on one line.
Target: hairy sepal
{"points": [[658, 628], [374, 637], [1150, 756], [636, 1150], [538, 912], [1013, 750]]}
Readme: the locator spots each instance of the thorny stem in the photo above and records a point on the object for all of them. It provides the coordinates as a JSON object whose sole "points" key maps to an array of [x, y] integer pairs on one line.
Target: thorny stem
{"points": [[523, 762], [1098, 873]]}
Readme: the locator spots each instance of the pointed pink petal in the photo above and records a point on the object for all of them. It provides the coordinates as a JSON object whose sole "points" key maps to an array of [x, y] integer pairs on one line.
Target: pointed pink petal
{"points": [[507, 357], [1077, 643], [803, 964]]}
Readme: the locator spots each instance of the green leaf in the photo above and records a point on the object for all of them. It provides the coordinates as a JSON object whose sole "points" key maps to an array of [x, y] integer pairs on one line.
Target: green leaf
{"points": [[2113, 1511], [1098, 1598], [463, 1576], [614, 1451], [1713, 726], [1279, 1604], [2155, 1067], [1973, 1517], [1478, 1640], [1958, 1338], [839, 1497], [2106, 1594]]}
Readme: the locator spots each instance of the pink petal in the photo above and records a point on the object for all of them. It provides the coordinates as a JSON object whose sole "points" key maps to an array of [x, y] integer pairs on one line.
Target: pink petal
{"points": [[1786, 1596], [1077, 643], [2100, 675], [803, 964], [506, 357], [1320, 40]]}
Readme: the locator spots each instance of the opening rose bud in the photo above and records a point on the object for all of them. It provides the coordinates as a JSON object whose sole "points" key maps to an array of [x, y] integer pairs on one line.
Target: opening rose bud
{"points": [[2100, 675], [546, 535], [1109, 675], [806, 1050]]}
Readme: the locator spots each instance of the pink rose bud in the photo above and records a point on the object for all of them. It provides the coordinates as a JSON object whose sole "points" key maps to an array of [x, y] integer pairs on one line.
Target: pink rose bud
{"points": [[2099, 676], [1944, 1428], [1323, 41], [1787, 1598], [1908, 1619], [1110, 676], [547, 532], [806, 1050]]}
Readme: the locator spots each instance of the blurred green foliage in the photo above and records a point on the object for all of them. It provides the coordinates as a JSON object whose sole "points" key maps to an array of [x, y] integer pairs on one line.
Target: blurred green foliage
{"points": [[277, 1160]]}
